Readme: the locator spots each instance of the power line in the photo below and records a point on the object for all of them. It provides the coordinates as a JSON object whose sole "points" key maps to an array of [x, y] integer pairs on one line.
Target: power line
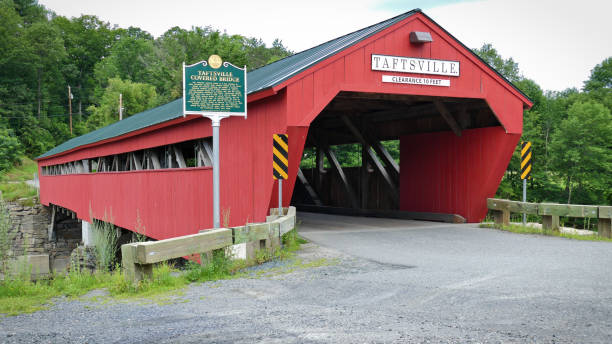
{"points": [[33, 116]]}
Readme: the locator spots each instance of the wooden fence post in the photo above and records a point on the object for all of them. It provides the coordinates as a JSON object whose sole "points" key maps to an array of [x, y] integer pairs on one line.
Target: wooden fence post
{"points": [[550, 222], [501, 217], [605, 222], [134, 272]]}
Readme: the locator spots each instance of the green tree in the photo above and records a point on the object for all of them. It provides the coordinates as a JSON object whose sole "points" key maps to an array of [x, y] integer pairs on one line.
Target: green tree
{"points": [[137, 97], [10, 149], [601, 76], [42, 53], [14, 90], [30, 11], [47, 54], [507, 67], [87, 40], [130, 59], [34, 138], [581, 150]]}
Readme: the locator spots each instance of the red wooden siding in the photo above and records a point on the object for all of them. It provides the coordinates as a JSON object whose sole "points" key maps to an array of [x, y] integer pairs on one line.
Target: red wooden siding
{"points": [[179, 201], [310, 91], [445, 173], [169, 202]]}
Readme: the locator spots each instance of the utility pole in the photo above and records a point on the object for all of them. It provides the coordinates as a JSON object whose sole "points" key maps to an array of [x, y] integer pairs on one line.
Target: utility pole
{"points": [[70, 107], [120, 106]]}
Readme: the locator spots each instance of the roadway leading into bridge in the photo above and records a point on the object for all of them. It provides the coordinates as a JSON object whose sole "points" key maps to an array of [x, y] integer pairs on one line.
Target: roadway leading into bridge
{"points": [[480, 276], [464, 251]]}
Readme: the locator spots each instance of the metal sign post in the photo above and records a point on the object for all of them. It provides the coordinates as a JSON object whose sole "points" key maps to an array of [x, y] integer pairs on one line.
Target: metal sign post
{"points": [[216, 90], [216, 193], [280, 197], [525, 171], [280, 167]]}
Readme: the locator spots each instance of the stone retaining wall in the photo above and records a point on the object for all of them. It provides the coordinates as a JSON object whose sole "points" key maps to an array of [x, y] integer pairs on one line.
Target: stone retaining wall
{"points": [[30, 236]]}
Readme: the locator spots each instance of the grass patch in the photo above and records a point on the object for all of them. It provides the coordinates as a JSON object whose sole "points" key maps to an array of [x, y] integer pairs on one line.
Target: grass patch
{"points": [[19, 295], [13, 186], [19, 191], [520, 229], [20, 173]]}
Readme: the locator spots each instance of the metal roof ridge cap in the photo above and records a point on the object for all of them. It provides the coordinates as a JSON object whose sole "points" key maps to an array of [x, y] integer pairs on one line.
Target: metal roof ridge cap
{"points": [[324, 55], [415, 10]]}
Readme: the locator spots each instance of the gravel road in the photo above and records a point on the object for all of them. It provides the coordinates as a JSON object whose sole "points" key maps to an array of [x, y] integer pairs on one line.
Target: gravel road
{"points": [[367, 281]]}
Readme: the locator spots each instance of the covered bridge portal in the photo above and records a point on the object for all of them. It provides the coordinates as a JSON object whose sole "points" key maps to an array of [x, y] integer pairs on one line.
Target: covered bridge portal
{"points": [[457, 121]]}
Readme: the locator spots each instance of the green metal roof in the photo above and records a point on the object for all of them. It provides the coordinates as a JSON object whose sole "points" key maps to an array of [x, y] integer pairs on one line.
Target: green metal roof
{"points": [[258, 79], [141, 120]]}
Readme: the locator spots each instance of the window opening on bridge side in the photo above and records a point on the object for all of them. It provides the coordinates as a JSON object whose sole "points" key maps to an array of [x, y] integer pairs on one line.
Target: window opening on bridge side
{"points": [[186, 154]]}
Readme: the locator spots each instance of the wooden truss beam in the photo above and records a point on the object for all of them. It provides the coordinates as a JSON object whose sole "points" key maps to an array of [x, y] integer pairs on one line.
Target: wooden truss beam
{"points": [[333, 161], [393, 190], [178, 154], [309, 188], [203, 153], [137, 162], [154, 159], [365, 174], [381, 151], [115, 164], [448, 117]]}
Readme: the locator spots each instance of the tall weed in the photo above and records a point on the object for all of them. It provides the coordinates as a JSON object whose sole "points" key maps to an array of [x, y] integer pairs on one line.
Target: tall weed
{"points": [[105, 240]]}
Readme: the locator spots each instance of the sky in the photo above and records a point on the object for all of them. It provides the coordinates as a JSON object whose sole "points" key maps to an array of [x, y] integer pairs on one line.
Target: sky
{"points": [[556, 43]]}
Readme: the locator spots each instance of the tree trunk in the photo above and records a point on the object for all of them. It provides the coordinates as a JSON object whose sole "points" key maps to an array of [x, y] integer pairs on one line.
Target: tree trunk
{"points": [[569, 188], [546, 141], [80, 101], [39, 96]]}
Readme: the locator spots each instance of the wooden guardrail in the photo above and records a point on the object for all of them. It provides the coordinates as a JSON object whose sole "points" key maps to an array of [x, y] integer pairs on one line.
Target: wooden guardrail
{"points": [[138, 258], [551, 212]]}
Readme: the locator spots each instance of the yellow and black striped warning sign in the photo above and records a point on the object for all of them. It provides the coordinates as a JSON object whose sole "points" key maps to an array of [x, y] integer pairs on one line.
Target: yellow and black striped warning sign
{"points": [[526, 160], [280, 156]]}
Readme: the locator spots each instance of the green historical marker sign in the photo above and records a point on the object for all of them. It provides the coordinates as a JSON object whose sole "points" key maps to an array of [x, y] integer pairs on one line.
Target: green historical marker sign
{"points": [[217, 90], [214, 88]]}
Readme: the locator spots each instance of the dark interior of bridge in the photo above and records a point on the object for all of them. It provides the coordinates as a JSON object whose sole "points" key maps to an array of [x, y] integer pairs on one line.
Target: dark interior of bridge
{"points": [[351, 155]]}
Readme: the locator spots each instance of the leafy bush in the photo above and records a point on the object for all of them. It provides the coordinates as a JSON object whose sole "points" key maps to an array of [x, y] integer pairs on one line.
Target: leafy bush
{"points": [[220, 266], [10, 149]]}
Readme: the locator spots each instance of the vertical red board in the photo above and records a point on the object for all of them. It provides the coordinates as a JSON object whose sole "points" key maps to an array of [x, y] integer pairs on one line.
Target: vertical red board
{"points": [[444, 173]]}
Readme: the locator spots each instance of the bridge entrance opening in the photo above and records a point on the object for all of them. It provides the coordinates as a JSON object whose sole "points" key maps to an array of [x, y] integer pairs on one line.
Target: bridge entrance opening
{"points": [[353, 155]]}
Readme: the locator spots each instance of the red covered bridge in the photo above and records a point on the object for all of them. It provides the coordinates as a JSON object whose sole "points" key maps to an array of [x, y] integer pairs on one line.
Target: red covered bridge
{"points": [[457, 119]]}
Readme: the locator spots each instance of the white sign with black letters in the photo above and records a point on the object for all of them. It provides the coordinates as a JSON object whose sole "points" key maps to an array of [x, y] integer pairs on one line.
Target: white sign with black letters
{"points": [[415, 81], [414, 65]]}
